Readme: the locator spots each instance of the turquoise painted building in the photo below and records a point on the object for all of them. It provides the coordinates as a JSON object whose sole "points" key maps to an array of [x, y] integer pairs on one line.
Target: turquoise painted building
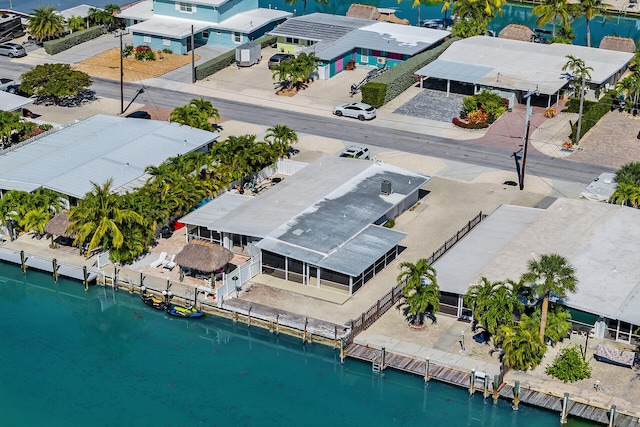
{"points": [[336, 40], [169, 24]]}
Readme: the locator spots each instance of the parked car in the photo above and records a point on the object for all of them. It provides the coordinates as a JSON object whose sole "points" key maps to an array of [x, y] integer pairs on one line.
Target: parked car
{"points": [[279, 58], [12, 50], [357, 110], [139, 115], [356, 152], [15, 89], [6, 83]]}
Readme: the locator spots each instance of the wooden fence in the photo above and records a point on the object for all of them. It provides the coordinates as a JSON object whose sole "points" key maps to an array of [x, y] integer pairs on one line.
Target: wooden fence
{"points": [[381, 306]]}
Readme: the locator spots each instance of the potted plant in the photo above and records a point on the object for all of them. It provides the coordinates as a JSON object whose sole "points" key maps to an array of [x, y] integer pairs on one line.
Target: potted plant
{"points": [[567, 145], [550, 112]]}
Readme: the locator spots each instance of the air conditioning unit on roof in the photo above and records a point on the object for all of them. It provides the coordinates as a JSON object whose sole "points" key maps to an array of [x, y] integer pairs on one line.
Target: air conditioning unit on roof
{"points": [[382, 60]]}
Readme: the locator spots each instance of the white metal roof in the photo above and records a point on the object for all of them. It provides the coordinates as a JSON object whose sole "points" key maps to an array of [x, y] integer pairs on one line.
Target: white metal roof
{"points": [[518, 65], [96, 149], [140, 11], [600, 240], [251, 20], [11, 102], [82, 11]]}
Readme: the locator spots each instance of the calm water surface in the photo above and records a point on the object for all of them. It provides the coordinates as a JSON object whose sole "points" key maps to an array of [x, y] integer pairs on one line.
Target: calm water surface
{"points": [[102, 358]]}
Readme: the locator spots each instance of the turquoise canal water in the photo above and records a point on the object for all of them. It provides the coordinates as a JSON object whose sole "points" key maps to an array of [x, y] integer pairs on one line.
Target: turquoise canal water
{"points": [[102, 358]]}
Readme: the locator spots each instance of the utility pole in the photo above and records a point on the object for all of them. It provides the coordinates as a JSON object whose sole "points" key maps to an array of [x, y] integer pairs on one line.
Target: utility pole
{"points": [[580, 110], [525, 138], [122, 33], [193, 57]]}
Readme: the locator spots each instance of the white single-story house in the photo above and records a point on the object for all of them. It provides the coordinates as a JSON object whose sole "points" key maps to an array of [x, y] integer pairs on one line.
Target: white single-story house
{"points": [[336, 40], [599, 240], [96, 149], [323, 226], [11, 102], [514, 67]]}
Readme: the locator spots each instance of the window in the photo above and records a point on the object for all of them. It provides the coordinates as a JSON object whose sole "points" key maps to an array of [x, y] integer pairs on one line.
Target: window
{"points": [[147, 39], [292, 40], [205, 34], [185, 7], [237, 37], [166, 42]]}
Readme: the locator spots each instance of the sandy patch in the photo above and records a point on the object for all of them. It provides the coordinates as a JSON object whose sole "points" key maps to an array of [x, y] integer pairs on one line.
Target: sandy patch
{"points": [[533, 184], [319, 144], [107, 65], [415, 162]]}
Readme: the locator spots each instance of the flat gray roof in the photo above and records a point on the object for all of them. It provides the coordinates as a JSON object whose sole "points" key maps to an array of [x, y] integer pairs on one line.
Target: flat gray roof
{"points": [[600, 240], [12, 102], [96, 149], [601, 188], [338, 34], [323, 212], [518, 65]]}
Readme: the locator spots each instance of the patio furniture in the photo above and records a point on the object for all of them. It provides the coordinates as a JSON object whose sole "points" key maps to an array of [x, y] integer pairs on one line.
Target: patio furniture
{"points": [[159, 261], [169, 264]]}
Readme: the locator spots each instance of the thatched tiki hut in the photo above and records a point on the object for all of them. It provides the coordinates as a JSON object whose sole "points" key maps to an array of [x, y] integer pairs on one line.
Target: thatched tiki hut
{"points": [[363, 11], [621, 44], [203, 256], [58, 225], [517, 32]]}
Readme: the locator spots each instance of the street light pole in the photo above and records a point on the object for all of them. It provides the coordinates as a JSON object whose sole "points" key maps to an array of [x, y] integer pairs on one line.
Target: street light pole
{"points": [[580, 110]]}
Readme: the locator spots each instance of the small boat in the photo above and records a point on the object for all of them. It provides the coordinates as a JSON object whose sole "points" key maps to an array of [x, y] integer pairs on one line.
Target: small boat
{"points": [[155, 302], [179, 311]]}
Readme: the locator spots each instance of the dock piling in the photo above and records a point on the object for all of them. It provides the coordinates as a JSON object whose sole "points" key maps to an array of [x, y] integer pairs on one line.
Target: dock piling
{"points": [[55, 270], [516, 396], [485, 392], [23, 264], [426, 370], [563, 414], [85, 278], [342, 351], [304, 332], [278, 324], [612, 416], [472, 385], [249, 317], [383, 359], [496, 384]]}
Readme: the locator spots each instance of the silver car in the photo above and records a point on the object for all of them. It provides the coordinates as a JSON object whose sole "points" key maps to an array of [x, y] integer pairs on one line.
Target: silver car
{"points": [[357, 110], [356, 152], [12, 50], [6, 83]]}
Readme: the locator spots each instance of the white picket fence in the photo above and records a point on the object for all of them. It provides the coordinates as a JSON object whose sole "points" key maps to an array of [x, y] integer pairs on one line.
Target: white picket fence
{"points": [[242, 274]]}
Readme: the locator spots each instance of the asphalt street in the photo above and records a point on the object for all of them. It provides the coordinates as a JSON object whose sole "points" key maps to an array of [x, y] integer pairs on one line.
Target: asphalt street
{"points": [[448, 149]]}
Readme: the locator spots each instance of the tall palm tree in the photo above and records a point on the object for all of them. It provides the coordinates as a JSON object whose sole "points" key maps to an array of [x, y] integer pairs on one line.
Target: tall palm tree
{"points": [[420, 289], [551, 274], [493, 303], [578, 70], [45, 23], [98, 218], [558, 325], [35, 220], [591, 8], [304, 2], [522, 347], [626, 194], [552, 10]]}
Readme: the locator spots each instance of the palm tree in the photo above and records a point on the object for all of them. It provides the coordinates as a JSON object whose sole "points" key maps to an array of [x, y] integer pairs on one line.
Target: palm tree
{"points": [[98, 218], [35, 220], [558, 325], [591, 8], [76, 23], [578, 70], [494, 303], [195, 114], [551, 274], [45, 23], [551, 10], [280, 137], [420, 289], [522, 347], [629, 173], [626, 194], [473, 10]]}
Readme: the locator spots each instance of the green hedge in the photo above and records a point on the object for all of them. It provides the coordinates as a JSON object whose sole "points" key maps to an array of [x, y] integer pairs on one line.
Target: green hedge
{"points": [[67, 42], [592, 112], [399, 78], [221, 62]]}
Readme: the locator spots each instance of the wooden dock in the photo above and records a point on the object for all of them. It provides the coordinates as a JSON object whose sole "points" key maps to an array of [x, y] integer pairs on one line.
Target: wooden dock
{"points": [[414, 366], [576, 409]]}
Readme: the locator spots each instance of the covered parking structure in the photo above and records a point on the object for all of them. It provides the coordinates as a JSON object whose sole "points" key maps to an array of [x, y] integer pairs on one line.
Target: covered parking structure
{"points": [[321, 227], [599, 240], [101, 147], [512, 67]]}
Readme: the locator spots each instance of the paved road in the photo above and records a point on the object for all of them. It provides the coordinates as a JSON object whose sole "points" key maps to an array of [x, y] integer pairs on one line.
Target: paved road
{"points": [[361, 133]]}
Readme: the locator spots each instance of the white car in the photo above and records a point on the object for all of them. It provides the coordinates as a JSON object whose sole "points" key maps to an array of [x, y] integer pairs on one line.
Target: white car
{"points": [[356, 152], [5, 83], [357, 110]]}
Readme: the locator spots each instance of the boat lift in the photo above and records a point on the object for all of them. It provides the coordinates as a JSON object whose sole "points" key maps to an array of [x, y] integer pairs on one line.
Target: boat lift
{"points": [[355, 88]]}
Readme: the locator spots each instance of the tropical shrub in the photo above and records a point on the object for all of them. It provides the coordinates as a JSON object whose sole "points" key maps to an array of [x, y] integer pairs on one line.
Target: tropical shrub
{"points": [[477, 116], [460, 123], [127, 51], [144, 53], [592, 112], [569, 365], [491, 103], [54, 81], [522, 347]]}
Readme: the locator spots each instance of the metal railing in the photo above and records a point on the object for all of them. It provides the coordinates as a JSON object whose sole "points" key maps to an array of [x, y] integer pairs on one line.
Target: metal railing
{"points": [[381, 306]]}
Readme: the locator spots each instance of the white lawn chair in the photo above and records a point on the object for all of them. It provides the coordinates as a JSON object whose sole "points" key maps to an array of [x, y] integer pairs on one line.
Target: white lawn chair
{"points": [[159, 261], [170, 263]]}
